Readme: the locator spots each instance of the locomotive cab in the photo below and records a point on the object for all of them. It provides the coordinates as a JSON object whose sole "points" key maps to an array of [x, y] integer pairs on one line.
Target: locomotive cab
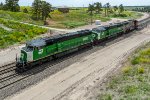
{"points": [[100, 32], [25, 57]]}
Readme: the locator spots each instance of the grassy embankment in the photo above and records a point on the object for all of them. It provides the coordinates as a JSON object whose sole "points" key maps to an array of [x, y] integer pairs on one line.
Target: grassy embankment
{"points": [[80, 17], [133, 81], [19, 16], [72, 19], [19, 33], [127, 15]]}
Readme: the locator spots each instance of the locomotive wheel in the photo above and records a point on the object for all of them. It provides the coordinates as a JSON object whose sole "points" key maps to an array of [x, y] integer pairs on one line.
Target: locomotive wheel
{"points": [[20, 70]]}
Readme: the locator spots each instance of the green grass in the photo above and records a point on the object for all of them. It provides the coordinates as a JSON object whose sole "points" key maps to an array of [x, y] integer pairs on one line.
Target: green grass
{"points": [[27, 7], [105, 97], [132, 82], [74, 18], [127, 15], [19, 16], [20, 33]]}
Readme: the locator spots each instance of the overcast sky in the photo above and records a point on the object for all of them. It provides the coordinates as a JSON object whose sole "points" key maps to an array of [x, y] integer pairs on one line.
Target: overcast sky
{"points": [[80, 3]]}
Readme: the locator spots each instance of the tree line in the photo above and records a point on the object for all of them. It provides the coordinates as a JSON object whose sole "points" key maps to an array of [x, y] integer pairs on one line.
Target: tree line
{"points": [[97, 7], [11, 5], [142, 9], [40, 9]]}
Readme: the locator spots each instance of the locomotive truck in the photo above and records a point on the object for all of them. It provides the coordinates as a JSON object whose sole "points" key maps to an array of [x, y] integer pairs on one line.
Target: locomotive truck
{"points": [[40, 50]]}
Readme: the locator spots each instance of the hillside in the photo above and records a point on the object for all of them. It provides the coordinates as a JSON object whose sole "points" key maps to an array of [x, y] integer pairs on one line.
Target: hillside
{"points": [[74, 18]]}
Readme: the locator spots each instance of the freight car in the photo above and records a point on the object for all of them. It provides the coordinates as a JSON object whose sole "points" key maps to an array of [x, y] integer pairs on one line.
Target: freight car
{"points": [[45, 49]]}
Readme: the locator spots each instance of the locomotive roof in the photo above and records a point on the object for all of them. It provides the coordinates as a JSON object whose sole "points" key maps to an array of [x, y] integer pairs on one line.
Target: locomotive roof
{"points": [[125, 22], [36, 43], [130, 20], [100, 28], [67, 34], [60, 37]]}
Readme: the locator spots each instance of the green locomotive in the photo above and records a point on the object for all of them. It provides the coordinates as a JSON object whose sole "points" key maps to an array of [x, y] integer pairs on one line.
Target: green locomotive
{"points": [[44, 49]]}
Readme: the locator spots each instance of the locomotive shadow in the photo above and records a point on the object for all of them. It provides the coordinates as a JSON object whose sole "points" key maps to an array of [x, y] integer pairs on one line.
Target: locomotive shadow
{"points": [[54, 63]]}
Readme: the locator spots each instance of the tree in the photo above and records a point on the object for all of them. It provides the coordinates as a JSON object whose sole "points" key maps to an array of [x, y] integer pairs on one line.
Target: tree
{"points": [[115, 8], [25, 10], [91, 10], [98, 7], [36, 9], [41, 10], [121, 9], [1, 6], [46, 9], [12, 5], [107, 8]]}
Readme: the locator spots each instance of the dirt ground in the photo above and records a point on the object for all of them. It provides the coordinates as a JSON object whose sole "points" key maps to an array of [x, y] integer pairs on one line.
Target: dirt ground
{"points": [[77, 80]]}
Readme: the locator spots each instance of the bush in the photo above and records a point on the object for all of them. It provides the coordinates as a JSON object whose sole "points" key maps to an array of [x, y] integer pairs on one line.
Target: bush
{"points": [[129, 89], [145, 52], [140, 70], [25, 10], [145, 60], [135, 60], [70, 24], [119, 15], [127, 69], [140, 78], [56, 12], [105, 97]]}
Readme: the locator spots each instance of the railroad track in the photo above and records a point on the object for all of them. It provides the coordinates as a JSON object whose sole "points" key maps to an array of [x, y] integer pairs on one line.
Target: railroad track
{"points": [[6, 65], [7, 68], [8, 77], [15, 78], [7, 82], [143, 23]]}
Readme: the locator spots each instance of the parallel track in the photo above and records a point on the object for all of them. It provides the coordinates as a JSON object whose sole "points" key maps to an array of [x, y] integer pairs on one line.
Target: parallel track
{"points": [[4, 66], [7, 69], [7, 83]]}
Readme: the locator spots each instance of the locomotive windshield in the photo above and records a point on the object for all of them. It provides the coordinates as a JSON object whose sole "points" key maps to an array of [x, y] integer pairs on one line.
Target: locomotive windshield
{"points": [[98, 29], [30, 48]]}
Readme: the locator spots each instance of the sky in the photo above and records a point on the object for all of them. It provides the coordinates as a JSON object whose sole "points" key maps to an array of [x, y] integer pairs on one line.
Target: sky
{"points": [[81, 3]]}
